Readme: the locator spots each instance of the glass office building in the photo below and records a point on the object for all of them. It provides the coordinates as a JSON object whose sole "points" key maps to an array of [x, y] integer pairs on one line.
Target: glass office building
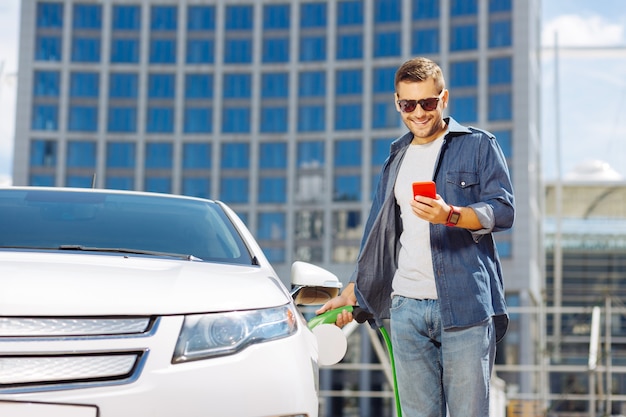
{"points": [[282, 108]]}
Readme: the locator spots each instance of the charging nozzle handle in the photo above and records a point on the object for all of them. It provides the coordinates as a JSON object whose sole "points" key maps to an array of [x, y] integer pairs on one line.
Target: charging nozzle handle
{"points": [[327, 317], [361, 315]]}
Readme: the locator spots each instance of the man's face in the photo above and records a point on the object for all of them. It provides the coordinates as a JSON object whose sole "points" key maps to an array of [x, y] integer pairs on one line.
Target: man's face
{"points": [[426, 125]]}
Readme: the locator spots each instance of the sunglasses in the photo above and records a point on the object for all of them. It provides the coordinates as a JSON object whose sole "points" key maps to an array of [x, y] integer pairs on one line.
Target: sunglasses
{"points": [[428, 104]]}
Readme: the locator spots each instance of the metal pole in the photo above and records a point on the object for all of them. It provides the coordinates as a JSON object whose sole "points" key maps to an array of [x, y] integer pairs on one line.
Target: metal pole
{"points": [[558, 254], [607, 354]]}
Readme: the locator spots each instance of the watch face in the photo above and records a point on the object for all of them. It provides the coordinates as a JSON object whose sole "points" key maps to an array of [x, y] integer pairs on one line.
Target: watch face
{"points": [[454, 218]]}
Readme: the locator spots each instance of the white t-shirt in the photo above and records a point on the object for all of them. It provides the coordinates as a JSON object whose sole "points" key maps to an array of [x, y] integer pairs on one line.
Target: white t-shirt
{"points": [[415, 277]]}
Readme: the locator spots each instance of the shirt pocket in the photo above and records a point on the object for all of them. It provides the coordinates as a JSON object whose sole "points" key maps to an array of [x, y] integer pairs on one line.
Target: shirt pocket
{"points": [[462, 187]]}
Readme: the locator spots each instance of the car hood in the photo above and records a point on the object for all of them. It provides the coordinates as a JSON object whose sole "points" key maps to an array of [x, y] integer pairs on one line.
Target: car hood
{"points": [[61, 284]]}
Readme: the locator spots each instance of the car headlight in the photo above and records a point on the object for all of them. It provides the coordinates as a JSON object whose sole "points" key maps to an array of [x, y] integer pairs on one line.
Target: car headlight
{"points": [[217, 334]]}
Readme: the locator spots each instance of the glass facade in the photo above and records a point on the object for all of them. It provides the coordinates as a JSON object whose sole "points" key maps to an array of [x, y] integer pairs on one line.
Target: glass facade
{"points": [[197, 121]]}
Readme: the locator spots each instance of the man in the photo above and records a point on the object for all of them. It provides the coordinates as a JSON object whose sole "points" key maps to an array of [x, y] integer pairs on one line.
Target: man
{"points": [[431, 265]]}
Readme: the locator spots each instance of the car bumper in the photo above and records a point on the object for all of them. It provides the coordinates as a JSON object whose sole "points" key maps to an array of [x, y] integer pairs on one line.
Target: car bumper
{"points": [[277, 378]]}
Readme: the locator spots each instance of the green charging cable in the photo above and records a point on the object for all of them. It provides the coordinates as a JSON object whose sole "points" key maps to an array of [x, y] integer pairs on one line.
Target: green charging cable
{"points": [[361, 316]]}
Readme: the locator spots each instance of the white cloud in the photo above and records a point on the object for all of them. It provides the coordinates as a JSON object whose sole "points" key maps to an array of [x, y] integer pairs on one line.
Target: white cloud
{"points": [[575, 30]]}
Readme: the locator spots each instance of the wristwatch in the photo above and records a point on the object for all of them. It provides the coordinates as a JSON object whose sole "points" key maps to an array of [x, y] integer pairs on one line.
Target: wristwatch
{"points": [[453, 217]]}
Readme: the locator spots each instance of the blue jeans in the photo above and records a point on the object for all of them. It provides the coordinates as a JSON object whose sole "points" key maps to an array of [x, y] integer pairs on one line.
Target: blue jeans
{"points": [[440, 370]]}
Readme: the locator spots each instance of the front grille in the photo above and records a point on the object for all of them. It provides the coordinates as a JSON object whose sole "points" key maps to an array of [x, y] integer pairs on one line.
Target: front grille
{"points": [[72, 327], [25, 370], [44, 353]]}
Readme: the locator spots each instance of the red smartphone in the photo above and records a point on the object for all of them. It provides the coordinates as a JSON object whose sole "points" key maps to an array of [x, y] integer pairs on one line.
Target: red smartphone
{"points": [[425, 188]]}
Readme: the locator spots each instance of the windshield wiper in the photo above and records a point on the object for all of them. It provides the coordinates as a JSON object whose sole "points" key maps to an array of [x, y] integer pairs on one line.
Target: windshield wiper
{"points": [[130, 251]]}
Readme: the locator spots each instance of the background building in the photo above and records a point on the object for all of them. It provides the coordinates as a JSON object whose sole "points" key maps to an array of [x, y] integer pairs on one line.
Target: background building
{"points": [[283, 109]]}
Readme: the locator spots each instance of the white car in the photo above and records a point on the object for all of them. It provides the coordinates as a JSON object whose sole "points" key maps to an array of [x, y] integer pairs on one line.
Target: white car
{"points": [[117, 304]]}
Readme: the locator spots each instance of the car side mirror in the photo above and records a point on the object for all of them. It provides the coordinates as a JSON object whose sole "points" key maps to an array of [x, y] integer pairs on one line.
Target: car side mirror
{"points": [[312, 285]]}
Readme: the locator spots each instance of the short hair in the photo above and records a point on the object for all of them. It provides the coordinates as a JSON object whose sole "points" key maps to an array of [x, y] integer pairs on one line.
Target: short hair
{"points": [[418, 70]]}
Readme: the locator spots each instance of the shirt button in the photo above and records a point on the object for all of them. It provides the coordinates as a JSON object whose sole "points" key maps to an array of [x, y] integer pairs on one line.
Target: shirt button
{"points": [[463, 183]]}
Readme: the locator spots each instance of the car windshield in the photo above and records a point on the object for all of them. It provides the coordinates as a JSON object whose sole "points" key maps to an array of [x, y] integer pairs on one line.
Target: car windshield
{"points": [[81, 220]]}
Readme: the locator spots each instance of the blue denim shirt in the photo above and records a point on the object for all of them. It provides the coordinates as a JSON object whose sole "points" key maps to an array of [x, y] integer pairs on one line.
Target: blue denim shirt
{"points": [[470, 171]]}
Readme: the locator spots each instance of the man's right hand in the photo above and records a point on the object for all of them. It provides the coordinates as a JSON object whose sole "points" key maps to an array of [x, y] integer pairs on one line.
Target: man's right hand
{"points": [[346, 297]]}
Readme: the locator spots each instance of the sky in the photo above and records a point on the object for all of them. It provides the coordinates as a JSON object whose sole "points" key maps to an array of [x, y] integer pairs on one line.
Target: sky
{"points": [[591, 84]]}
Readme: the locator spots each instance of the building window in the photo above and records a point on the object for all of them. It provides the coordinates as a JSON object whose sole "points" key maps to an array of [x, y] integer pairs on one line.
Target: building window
{"points": [[425, 41], [463, 7], [275, 85], [238, 51], [504, 140], [81, 154], [425, 9], [463, 37], [349, 13], [276, 49], [122, 119], [380, 152], [161, 86], [464, 108], [309, 230], [271, 226], [119, 182], [198, 119], [87, 16], [500, 106], [49, 15], [46, 84], [158, 184], [312, 84], [124, 51], [120, 155], [500, 6], [159, 155], [500, 71], [273, 155], [386, 11], [82, 118], [43, 153], [48, 48], [348, 153], [86, 49], [160, 119], [45, 117], [84, 84], [311, 154], [234, 190], [197, 187], [123, 85], [349, 46], [500, 34], [163, 18], [197, 155], [276, 16], [239, 17], [79, 181], [311, 118], [347, 188], [386, 114], [313, 15], [348, 116], [162, 51], [272, 189], [200, 51], [347, 230], [274, 119], [464, 74], [312, 48], [199, 86], [387, 44], [237, 86], [200, 18], [41, 180], [235, 156], [126, 17], [349, 82], [383, 80], [236, 119]]}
